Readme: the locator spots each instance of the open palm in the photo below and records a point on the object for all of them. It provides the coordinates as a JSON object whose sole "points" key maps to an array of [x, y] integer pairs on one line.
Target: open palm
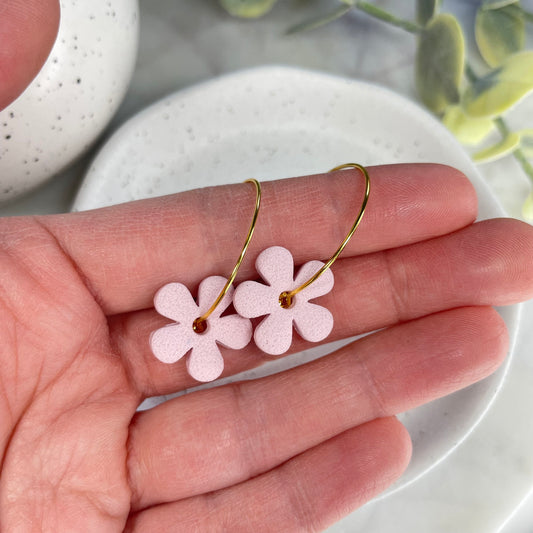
{"points": [[291, 452]]}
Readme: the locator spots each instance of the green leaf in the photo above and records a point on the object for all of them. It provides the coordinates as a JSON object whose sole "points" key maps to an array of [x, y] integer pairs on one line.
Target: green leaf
{"points": [[497, 4], [500, 33], [440, 62], [468, 130], [527, 208], [497, 151], [528, 16], [526, 142], [426, 10], [320, 20], [501, 88], [247, 8]]}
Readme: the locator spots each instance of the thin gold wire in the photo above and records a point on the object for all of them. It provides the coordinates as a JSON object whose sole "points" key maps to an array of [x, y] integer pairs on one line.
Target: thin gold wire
{"points": [[199, 324], [285, 298]]}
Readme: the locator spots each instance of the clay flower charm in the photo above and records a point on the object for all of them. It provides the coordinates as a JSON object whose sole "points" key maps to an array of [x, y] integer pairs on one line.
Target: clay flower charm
{"points": [[172, 342], [251, 299]]}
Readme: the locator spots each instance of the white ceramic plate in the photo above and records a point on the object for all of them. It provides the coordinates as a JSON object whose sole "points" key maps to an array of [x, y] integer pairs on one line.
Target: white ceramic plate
{"points": [[274, 122]]}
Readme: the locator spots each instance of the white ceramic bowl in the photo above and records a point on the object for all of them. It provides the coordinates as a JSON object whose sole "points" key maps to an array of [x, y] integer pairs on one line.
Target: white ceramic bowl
{"points": [[74, 96]]}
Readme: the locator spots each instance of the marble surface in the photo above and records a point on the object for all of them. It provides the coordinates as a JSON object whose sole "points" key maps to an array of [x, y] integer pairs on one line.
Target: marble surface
{"points": [[186, 41]]}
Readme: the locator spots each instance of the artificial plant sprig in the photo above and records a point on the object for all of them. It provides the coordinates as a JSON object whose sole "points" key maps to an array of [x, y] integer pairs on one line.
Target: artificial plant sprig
{"points": [[470, 105]]}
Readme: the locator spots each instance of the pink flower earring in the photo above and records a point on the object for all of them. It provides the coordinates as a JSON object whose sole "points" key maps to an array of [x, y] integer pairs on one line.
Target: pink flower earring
{"points": [[285, 297], [199, 326]]}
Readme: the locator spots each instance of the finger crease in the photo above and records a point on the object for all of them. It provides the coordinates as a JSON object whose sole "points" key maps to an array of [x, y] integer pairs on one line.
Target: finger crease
{"points": [[241, 429], [391, 274], [373, 387]]}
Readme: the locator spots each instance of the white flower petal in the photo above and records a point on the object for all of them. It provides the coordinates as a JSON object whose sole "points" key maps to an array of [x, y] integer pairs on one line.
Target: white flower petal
{"points": [[232, 331], [171, 343], [174, 301], [252, 299], [319, 287], [208, 292], [276, 267], [312, 322], [205, 362], [274, 334]]}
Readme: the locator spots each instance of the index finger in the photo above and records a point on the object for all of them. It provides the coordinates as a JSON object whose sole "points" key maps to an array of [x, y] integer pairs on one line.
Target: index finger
{"points": [[127, 252]]}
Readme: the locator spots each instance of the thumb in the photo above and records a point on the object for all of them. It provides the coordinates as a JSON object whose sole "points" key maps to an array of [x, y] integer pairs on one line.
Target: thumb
{"points": [[28, 29]]}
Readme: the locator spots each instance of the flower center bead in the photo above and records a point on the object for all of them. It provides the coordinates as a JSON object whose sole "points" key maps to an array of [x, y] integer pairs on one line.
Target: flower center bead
{"points": [[199, 325], [285, 300]]}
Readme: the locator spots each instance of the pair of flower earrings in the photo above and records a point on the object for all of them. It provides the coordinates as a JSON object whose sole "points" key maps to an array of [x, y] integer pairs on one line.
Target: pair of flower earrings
{"points": [[198, 326]]}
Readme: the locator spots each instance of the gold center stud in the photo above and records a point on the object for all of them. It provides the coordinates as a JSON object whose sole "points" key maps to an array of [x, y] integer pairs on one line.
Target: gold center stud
{"points": [[285, 300], [199, 325]]}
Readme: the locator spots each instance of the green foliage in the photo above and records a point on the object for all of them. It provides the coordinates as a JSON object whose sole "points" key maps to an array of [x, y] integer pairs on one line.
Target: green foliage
{"points": [[426, 10], [497, 4], [502, 148], [321, 20], [468, 130], [247, 8], [499, 33], [440, 62], [526, 142], [500, 89], [441, 70]]}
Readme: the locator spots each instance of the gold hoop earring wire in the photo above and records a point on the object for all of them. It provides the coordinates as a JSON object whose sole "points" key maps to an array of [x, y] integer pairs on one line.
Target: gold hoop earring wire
{"points": [[199, 325], [285, 298]]}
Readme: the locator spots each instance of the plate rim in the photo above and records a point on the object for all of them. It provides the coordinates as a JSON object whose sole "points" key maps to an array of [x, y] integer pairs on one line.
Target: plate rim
{"points": [[283, 70]]}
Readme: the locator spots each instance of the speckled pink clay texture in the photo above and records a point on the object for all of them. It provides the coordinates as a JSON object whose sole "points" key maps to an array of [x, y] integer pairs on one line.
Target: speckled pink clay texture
{"points": [[170, 343], [252, 299]]}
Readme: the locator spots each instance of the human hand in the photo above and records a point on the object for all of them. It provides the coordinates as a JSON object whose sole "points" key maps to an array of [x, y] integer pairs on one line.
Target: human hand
{"points": [[28, 29], [290, 452]]}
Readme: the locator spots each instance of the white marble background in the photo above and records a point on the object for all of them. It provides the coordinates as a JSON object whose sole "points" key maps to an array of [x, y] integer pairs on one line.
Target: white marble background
{"points": [[186, 41]]}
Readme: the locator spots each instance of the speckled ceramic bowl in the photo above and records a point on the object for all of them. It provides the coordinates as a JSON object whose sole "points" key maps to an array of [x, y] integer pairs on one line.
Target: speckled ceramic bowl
{"points": [[74, 96]]}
